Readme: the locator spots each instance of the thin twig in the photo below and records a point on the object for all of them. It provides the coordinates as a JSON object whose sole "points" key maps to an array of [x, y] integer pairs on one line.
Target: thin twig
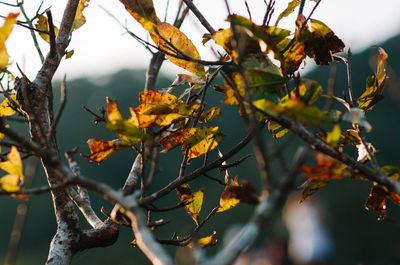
{"points": [[63, 101], [200, 16]]}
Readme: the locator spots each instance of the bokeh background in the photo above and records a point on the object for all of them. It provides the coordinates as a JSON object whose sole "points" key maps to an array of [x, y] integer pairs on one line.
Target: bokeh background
{"points": [[331, 228]]}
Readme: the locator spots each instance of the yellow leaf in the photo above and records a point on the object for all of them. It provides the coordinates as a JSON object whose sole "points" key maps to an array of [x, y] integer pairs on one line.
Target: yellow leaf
{"points": [[193, 201], [5, 107], [210, 115], [5, 31], [198, 141], [333, 137], [69, 54], [234, 193], [100, 150], [128, 130], [10, 183], [13, 166], [43, 25], [207, 241], [79, 17], [143, 11], [160, 109], [170, 39]]}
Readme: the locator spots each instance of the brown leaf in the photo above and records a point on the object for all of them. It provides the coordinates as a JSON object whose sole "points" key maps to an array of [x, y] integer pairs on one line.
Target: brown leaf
{"points": [[376, 202], [235, 193]]}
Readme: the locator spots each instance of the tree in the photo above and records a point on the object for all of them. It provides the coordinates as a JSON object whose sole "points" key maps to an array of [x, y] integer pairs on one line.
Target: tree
{"points": [[259, 66]]}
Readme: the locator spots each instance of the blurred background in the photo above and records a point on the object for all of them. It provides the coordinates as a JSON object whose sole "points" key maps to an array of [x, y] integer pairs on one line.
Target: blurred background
{"points": [[332, 227]]}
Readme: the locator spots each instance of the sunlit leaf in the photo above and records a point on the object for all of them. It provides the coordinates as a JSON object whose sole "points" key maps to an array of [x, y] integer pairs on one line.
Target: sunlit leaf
{"points": [[276, 130], [143, 11], [235, 193], [183, 79], [289, 10], [293, 57], [13, 166], [363, 152], [5, 31], [6, 108], [171, 40], [193, 201], [126, 129], [207, 241], [160, 109], [349, 137], [375, 85], [43, 24], [333, 137], [79, 17], [100, 150], [210, 115], [198, 141]]}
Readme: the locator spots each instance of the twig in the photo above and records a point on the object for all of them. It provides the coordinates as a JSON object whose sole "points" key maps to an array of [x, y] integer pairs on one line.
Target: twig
{"points": [[31, 27], [63, 101], [268, 12], [214, 179], [200, 16]]}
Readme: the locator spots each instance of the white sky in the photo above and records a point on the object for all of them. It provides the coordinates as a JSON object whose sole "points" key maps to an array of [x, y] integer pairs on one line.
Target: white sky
{"points": [[101, 46]]}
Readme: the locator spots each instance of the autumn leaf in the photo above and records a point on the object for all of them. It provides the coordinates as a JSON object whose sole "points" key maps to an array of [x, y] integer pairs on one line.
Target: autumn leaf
{"points": [[290, 8], [293, 57], [160, 109], [128, 130], [171, 40], [210, 115], [143, 11], [312, 186], [5, 31], [333, 137], [6, 108], [207, 241], [321, 42], [100, 150], [13, 166], [79, 17], [326, 168], [276, 130], [183, 79], [377, 197], [198, 141], [375, 85], [193, 202], [42, 24], [235, 193]]}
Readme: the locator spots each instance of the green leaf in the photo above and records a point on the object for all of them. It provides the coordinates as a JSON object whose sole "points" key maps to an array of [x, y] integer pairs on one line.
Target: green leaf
{"points": [[193, 201], [289, 10], [276, 130], [312, 186]]}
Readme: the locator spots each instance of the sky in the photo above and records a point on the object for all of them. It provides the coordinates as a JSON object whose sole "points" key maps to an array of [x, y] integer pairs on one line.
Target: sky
{"points": [[102, 46]]}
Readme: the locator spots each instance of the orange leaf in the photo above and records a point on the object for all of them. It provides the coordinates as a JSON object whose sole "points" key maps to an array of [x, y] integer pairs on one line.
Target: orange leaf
{"points": [[207, 241], [199, 141], [171, 40], [193, 202], [100, 150], [327, 168], [234, 193]]}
